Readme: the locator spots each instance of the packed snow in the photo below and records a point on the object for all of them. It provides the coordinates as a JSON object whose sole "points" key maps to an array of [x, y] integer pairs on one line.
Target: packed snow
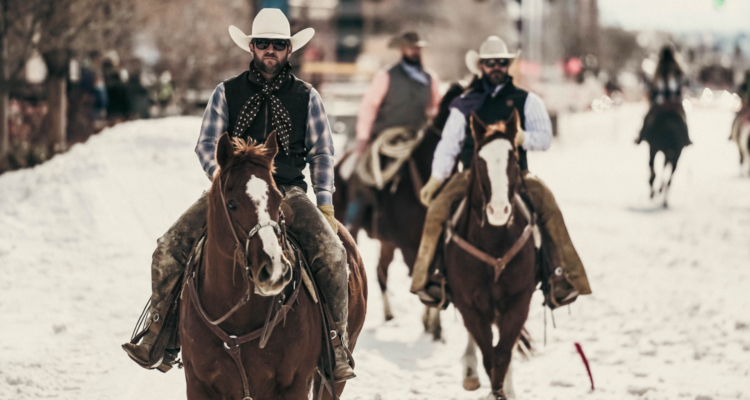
{"points": [[668, 318]]}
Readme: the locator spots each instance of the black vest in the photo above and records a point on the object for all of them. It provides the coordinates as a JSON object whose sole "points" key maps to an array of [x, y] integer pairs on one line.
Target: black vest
{"points": [[295, 96], [495, 109], [405, 103]]}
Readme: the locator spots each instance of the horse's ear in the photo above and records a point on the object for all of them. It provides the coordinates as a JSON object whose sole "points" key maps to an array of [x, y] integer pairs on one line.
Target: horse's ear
{"points": [[478, 128], [224, 150], [272, 145], [513, 124]]}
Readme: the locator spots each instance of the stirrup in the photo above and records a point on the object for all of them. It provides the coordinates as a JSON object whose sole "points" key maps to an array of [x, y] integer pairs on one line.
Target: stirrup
{"points": [[551, 301], [434, 295]]}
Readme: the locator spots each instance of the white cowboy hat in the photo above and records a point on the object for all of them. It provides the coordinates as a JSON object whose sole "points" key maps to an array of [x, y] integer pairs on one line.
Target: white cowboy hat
{"points": [[493, 47], [270, 23]]}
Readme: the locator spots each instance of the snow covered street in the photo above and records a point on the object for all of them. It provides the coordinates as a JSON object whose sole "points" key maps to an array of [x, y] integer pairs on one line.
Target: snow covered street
{"points": [[669, 317]]}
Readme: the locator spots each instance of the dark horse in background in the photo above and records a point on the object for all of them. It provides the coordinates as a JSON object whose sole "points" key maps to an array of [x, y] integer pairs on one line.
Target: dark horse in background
{"points": [[741, 136], [665, 129], [243, 278], [400, 216], [491, 253]]}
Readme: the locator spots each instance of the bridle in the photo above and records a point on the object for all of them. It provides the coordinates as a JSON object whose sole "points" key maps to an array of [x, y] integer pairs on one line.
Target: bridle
{"points": [[498, 264], [277, 309], [280, 233]]}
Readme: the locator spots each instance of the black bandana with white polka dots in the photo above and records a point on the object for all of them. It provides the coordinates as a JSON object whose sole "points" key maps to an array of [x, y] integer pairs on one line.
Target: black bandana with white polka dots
{"points": [[280, 120]]}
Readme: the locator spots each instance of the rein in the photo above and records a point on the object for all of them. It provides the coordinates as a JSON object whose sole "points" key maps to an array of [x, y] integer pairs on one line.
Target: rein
{"points": [[498, 264]]}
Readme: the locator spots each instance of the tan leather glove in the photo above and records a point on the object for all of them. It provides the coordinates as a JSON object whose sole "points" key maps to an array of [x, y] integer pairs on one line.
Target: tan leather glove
{"points": [[520, 137], [429, 189], [327, 211]]}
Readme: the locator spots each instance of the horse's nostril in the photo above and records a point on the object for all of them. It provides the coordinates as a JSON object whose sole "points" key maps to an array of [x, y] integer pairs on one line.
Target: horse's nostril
{"points": [[506, 209], [265, 272], [490, 209]]}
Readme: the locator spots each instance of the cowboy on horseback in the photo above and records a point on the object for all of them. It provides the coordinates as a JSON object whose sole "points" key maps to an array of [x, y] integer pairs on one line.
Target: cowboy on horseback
{"points": [[665, 92], [403, 96], [263, 99], [493, 97]]}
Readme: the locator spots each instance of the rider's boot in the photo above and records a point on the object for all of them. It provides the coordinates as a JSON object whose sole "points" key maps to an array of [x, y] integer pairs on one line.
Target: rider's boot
{"points": [[334, 286], [167, 265], [343, 370], [437, 213], [328, 262], [569, 279]]}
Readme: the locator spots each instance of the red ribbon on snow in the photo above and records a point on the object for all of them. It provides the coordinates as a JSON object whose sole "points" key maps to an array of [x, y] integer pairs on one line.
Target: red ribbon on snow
{"points": [[586, 363]]}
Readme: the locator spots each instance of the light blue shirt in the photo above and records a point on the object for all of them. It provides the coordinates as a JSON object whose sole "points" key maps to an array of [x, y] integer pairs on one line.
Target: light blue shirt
{"points": [[538, 134]]}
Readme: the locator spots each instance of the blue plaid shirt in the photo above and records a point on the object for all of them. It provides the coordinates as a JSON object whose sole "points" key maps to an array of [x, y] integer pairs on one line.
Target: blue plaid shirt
{"points": [[318, 141]]}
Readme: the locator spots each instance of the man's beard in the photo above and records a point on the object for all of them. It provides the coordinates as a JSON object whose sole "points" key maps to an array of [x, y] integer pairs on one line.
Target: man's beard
{"points": [[269, 69], [496, 77], [413, 61]]}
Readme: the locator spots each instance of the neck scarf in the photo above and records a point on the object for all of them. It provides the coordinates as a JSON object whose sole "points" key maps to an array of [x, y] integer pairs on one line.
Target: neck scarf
{"points": [[280, 120]]}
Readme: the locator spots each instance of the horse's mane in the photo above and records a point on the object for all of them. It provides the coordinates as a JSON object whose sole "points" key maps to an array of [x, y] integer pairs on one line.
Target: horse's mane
{"points": [[252, 152]]}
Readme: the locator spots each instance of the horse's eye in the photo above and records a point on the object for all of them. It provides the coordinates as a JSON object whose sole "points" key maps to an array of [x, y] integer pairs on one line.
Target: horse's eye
{"points": [[232, 205]]}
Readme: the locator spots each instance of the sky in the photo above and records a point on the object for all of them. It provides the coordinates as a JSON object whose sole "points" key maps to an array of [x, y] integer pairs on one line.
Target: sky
{"points": [[677, 15]]}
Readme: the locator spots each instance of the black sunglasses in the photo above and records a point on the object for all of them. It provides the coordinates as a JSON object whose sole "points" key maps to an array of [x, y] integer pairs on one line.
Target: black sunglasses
{"points": [[491, 62], [278, 44]]}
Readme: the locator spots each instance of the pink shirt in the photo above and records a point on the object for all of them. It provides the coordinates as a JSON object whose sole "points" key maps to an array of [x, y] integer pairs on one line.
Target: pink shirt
{"points": [[374, 97]]}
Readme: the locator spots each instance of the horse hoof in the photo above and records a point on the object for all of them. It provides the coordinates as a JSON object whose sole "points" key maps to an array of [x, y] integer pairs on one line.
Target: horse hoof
{"points": [[437, 335], [471, 383], [388, 317]]}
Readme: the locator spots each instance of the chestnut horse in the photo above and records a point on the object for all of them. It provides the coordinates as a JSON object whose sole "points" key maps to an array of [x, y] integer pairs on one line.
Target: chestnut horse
{"points": [[490, 260], [398, 222], [245, 269]]}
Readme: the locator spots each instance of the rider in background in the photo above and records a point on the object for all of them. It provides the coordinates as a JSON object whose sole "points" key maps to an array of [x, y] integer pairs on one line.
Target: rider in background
{"points": [[494, 97], [665, 92], [404, 95]]}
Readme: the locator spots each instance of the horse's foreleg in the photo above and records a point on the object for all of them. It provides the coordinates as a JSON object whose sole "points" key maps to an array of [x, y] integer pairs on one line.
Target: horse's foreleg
{"points": [[653, 174], [387, 250], [480, 329], [510, 323], [469, 361]]}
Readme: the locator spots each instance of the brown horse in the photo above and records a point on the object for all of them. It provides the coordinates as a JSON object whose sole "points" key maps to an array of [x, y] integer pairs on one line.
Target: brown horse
{"points": [[400, 216], [490, 260], [244, 269]]}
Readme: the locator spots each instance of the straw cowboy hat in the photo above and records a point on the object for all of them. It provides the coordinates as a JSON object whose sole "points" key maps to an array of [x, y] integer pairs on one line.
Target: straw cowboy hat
{"points": [[270, 23], [493, 47], [410, 38]]}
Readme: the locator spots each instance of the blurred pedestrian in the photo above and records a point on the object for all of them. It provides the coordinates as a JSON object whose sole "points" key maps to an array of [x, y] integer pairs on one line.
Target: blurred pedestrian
{"points": [[118, 108]]}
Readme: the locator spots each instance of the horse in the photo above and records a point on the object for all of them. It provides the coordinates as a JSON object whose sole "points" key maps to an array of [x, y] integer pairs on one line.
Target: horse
{"points": [[399, 202], [230, 347], [742, 138], [490, 263], [665, 129]]}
